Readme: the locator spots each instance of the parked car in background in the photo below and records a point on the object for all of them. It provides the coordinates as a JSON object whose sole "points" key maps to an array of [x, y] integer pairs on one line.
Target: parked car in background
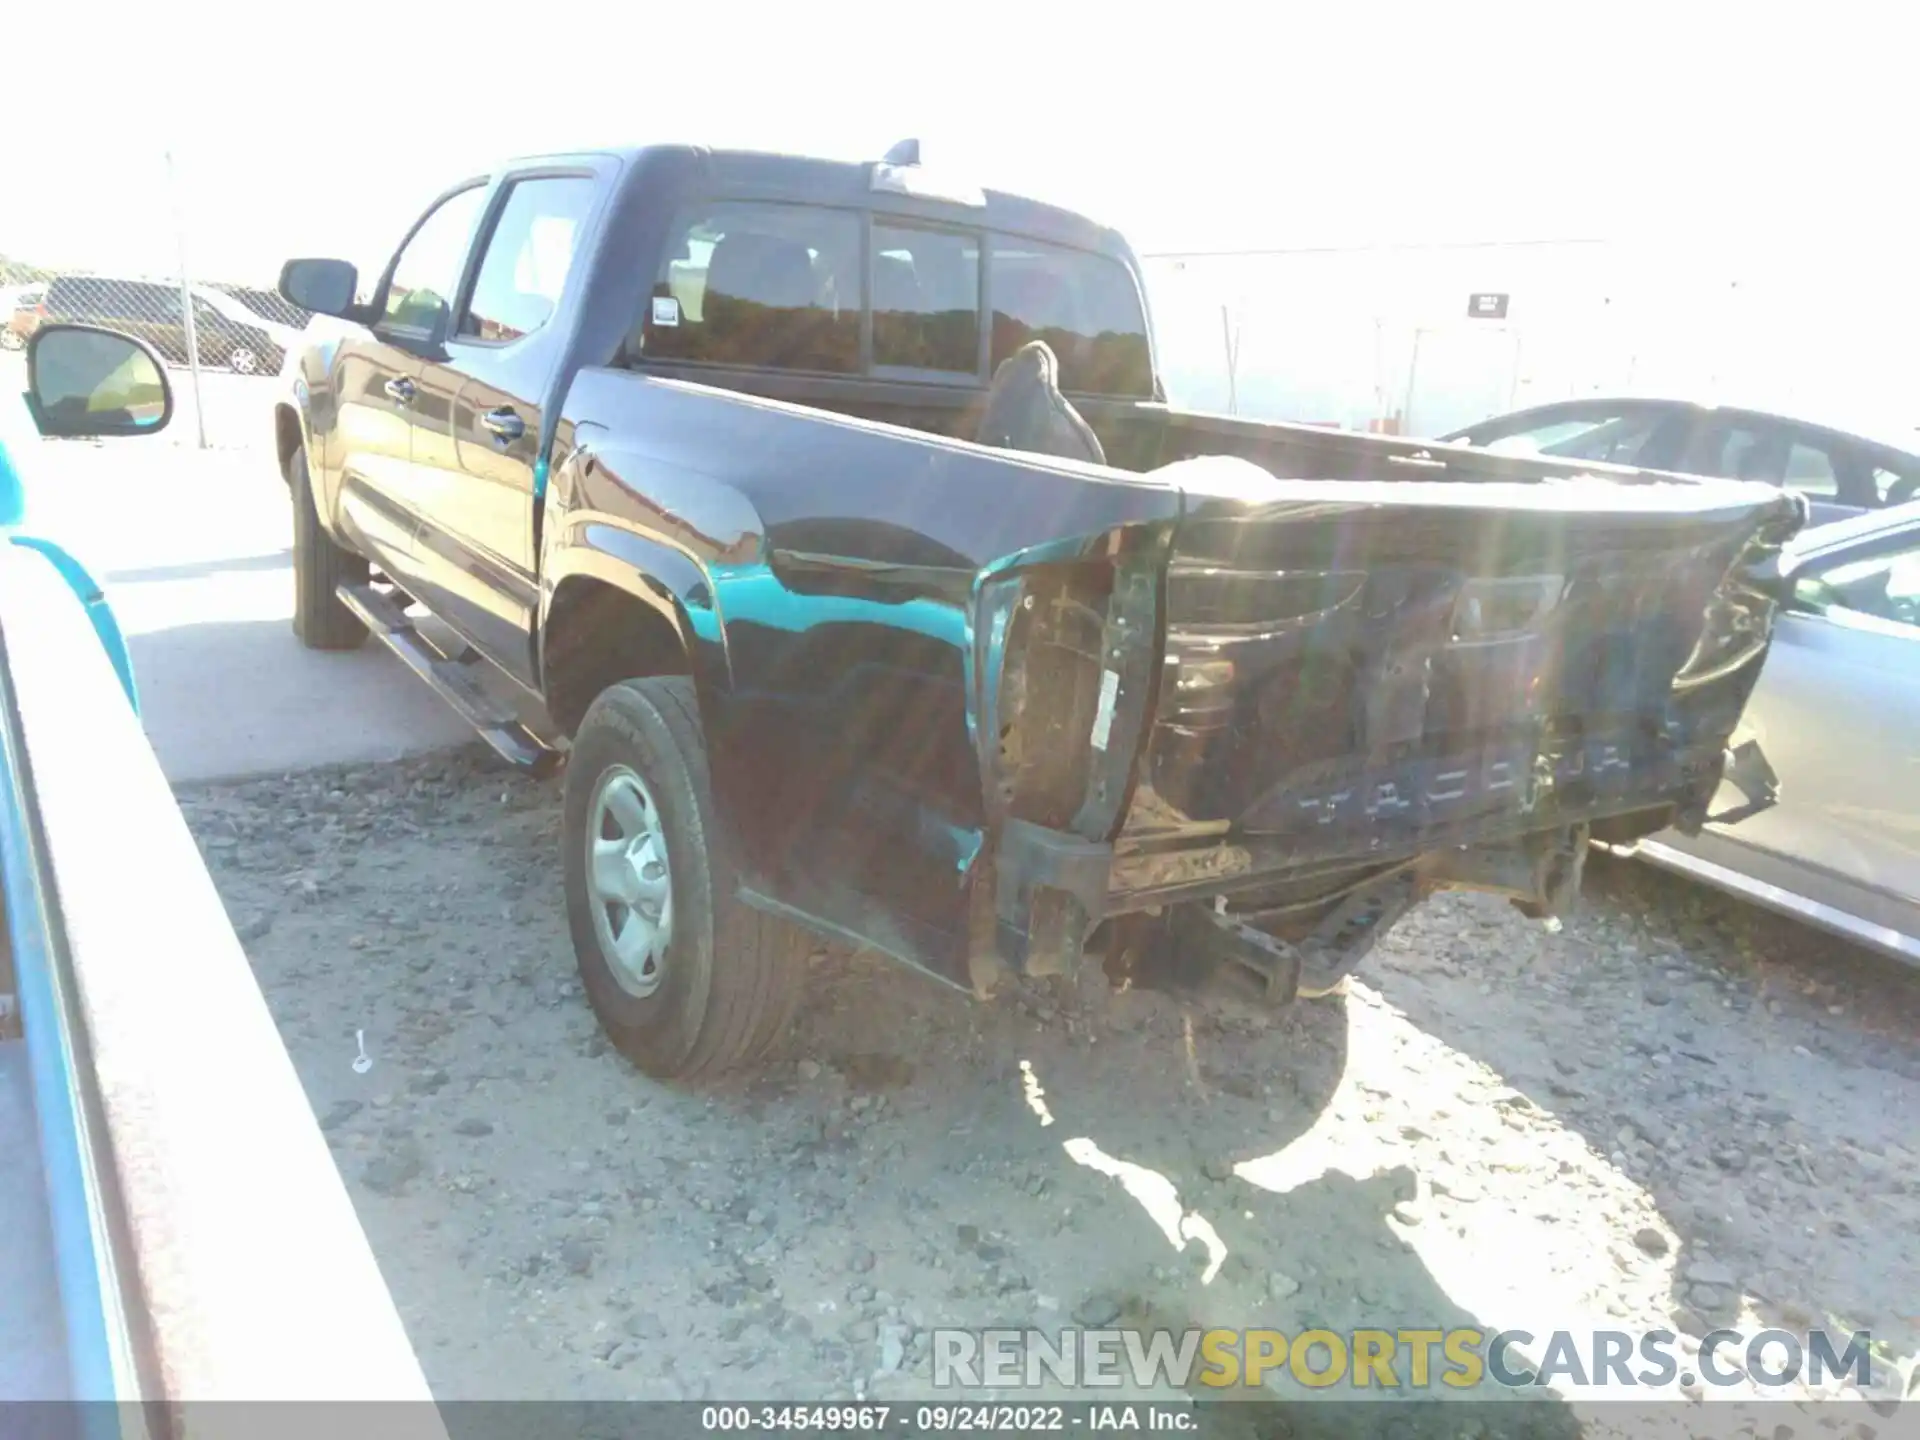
{"points": [[151, 310], [285, 337], [20, 313], [266, 304], [1841, 474], [1836, 714]]}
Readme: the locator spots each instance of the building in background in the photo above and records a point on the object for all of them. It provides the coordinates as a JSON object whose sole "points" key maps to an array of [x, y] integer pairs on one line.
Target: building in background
{"points": [[1425, 339]]}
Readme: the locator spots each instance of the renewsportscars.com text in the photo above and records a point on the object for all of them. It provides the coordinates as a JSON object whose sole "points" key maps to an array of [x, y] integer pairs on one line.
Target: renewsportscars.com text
{"points": [[1459, 1359]]}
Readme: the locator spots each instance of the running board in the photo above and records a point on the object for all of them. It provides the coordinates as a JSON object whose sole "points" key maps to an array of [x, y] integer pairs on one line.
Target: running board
{"points": [[454, 677]]}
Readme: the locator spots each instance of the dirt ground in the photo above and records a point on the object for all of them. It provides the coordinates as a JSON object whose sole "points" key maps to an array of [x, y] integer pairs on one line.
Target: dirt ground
{"points": [[1679, 1111]]}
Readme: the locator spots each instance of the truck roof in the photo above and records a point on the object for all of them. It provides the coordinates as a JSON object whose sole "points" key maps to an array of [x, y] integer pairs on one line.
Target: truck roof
{"points": [[770, 174]]}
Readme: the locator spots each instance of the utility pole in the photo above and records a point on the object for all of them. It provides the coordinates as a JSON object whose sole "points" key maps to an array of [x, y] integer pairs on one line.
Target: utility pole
{"points": [[186, 302], [1231, 336]]}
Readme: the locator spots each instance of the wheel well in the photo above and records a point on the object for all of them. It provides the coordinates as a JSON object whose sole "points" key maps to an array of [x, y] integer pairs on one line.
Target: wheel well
{"points": [[596, 636], [286, 437]]}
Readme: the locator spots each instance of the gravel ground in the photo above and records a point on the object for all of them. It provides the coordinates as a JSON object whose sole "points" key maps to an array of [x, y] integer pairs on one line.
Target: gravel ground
{"points": [[1678, 1111]]}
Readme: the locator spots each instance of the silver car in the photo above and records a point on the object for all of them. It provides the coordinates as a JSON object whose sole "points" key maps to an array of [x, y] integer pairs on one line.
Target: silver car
{"points": [[1836, 715]]}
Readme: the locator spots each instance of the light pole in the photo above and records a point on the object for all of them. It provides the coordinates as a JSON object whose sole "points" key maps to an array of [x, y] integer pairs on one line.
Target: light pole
{"points": [[1230, 333], [186, 302]]}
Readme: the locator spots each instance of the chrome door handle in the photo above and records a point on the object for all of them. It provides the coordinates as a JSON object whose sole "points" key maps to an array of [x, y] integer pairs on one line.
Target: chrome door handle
{"points": [[504, 424]]}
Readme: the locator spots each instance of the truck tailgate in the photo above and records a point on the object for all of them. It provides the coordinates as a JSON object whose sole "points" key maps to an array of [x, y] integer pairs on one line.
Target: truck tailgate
{"points": [[1370, 670]]}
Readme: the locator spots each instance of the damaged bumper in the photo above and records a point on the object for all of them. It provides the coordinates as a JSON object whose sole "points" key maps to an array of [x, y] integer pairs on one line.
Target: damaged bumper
{"points": [[1280, 710]]}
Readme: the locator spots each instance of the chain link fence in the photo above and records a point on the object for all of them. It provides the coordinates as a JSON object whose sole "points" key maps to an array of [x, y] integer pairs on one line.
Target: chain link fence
{"points": [[224, 342]]}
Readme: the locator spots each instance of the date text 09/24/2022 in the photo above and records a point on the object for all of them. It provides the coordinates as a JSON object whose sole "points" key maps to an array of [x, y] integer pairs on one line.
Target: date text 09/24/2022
{"points": [[945, 1419]]}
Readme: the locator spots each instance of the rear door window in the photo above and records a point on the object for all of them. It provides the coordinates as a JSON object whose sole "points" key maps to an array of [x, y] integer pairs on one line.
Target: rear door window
{"points": [[1812, 470], [926, 301], [139, 301], [769, 286], [1737, 450], [1086, 308]]}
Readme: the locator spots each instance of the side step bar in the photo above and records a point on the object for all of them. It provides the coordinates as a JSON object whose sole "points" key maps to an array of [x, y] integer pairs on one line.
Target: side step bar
{"points": [[454, 677]]}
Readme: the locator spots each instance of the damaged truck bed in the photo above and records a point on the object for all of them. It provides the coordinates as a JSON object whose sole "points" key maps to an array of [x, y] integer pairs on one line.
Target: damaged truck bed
{"points": [[1084, 694], [949, 664]]}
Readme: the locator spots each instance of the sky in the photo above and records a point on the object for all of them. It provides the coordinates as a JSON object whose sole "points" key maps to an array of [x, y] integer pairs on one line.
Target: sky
{"points": [[1197, 126]]}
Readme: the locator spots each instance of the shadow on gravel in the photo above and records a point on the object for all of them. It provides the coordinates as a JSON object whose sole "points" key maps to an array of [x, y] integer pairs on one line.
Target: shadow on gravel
{"points": [[1753, 1076], [555, 1225], [1777, 955], [1086, 1172]]}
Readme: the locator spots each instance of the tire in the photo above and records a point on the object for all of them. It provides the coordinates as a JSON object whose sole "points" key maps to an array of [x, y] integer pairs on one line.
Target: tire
{"points": [[243, 360], [320, 566], [726, 979]]}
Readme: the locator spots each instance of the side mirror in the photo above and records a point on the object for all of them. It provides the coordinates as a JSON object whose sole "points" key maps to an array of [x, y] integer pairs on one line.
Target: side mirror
{"points": [[323, 286], [82, 380]]}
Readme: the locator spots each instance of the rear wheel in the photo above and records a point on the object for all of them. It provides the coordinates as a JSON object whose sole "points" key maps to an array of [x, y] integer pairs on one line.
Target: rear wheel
{"points": [[320, 567], [686, 980]]}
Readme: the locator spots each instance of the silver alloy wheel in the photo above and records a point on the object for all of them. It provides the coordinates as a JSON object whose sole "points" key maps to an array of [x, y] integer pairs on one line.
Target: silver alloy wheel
{"points": [[243, 361], [628, 874]]}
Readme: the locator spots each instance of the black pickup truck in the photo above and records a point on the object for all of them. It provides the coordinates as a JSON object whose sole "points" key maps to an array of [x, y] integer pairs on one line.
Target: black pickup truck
{"points": [[829, 519]]}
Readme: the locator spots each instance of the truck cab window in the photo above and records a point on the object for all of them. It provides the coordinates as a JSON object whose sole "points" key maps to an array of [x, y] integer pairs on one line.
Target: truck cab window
{"points": [[528, 257], [427, 270], [773, 287], [1085, 306], [926, 300]]}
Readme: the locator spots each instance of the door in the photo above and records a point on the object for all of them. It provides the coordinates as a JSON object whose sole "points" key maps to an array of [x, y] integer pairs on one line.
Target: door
{"points": [[479, 415], [1836, 712], [376, 384]]}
